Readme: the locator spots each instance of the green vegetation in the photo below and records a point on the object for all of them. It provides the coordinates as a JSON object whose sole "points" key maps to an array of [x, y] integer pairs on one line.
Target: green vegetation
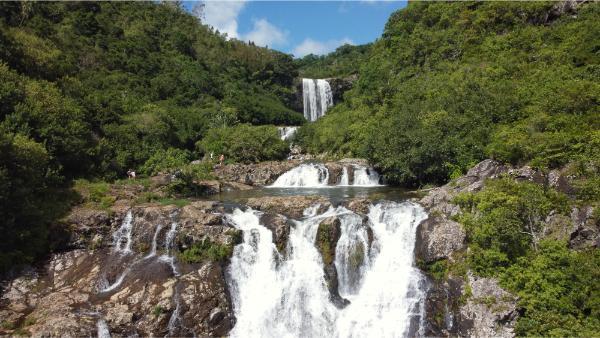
{"points": [[557, 288], [92, 89], [245, 143], [450, 84], [206, 250], [344, 61]]}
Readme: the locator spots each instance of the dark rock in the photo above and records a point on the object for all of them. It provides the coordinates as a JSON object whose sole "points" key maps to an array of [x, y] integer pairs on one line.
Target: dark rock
{"points": [[359, 205], [280, 227], [328, 234], [586, 231]]}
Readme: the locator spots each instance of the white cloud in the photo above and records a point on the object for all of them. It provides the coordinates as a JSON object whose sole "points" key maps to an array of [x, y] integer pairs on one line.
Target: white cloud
{"points": [[265, 34], [223, 16], [310, 46]]}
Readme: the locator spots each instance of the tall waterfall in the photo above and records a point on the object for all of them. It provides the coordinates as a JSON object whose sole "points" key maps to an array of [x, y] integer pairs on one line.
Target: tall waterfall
{"points": [[287, 296], [317, 98]]}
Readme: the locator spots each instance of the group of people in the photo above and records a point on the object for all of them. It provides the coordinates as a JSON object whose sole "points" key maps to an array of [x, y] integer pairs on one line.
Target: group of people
{"points": [[131, 173]]}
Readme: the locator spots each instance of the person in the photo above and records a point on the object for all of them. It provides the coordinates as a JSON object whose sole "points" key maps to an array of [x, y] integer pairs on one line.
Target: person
{"points": [[211, 155], [221, 159], [131, 174]]}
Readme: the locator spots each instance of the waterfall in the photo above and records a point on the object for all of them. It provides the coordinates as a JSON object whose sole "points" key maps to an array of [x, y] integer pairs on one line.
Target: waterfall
{"points": [[168, 256], [317, 98], [344, 180], [305, 175], [154, 238], [286, 133], [275, 296], [365, 177], [316, 175], [123, 234], [102, 329]]}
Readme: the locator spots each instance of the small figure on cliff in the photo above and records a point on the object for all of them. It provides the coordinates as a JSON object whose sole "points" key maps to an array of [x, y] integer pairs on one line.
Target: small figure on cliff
{"points": [[211, 155], [221, 159], [131, 174]]}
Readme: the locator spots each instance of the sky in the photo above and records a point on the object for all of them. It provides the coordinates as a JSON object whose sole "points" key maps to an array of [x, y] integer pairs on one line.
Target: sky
{"points": [[299, 27]]}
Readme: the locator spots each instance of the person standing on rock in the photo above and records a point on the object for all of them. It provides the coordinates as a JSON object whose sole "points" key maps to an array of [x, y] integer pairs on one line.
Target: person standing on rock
{"points": [[131, 174], [221, 159]]}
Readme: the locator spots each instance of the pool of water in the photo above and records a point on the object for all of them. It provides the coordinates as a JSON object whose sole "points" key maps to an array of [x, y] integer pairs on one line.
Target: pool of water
{"points": [[335, 194]]}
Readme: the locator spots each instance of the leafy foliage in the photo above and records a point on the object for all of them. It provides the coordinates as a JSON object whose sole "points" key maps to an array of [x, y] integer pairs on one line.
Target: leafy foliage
{"points": [[245, 143], [206, 250], [451, 83]]}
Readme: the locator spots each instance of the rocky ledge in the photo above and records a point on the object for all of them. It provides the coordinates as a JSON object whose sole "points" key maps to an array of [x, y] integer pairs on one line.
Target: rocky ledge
{"points": [[488, 310]]}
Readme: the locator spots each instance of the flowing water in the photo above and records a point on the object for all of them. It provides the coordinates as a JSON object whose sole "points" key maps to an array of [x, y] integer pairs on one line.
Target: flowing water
{"points": [[286, 133], [317, 98], [275, 296], [316, 175]]}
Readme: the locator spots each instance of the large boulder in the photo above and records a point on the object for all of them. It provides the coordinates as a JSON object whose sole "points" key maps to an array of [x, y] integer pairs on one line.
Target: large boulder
{"points": [[489, 312], [328, 234], [438, 238]]}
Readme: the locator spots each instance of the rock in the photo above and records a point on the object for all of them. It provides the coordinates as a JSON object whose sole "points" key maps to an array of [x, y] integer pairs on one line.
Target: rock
{"points": [[437, 238], [359, 205], [442, 304], [489, 312], [527, 173], [340, 85], [586, 232], [257, 174], [280, 227], [335, 173], [328, 234], [232, 186], [210, 187], [88, 227], [290, 206]]}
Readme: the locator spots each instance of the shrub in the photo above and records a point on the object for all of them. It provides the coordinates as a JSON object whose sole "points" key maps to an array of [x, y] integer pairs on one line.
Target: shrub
{"points": [[206, 250], [245, 143], [166, 160]]}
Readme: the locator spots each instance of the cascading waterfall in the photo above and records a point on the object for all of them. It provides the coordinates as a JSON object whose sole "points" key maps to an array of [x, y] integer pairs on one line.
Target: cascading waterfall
{"points": [[123, 234], [316, 175], [286, 133], [317, 98], [275, 296], [154, 239], [365, 177], [305, 175]]}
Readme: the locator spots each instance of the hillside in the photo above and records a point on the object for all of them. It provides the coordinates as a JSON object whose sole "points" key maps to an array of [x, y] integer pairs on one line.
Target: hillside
{"points": [[450, 84]]}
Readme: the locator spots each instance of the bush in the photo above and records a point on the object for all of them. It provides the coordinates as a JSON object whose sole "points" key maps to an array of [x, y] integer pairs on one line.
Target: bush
{"points": [[245, 143], [206, 250], [166, 160], [505, 220]]}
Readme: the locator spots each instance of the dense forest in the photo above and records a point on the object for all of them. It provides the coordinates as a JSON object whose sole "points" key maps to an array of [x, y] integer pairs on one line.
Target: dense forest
{"points": [[91, 89], [450, 84]]}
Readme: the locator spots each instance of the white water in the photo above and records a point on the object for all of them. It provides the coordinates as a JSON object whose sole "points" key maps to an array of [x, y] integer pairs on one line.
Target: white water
{"points": [[344, 180], [168, 256], [316, 175], [286, 133], [365, 177], [305, 175], [154, 240], [123, 234], [102, 327], [317, 98], [287, 297]]}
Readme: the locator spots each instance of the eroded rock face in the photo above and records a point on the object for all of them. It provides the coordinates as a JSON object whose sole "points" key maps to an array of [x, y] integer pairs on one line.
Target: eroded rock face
{"points": [[137, 285], [328, 234], [489, 312], [280, 227]]}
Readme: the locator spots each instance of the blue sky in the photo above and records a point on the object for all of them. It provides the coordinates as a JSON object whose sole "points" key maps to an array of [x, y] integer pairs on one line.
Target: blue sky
{"points": [[300, 27]]}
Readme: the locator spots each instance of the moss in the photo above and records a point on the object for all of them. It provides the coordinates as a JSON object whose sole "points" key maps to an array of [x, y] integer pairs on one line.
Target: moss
{"points": [[357, 256], [30, 320], [206, 250], [325, 242], [6, 325], [466, 295], [157, 311]]}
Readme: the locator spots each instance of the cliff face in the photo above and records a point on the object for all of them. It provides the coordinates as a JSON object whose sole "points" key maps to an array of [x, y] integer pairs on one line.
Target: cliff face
{"points": [[338, 87]]}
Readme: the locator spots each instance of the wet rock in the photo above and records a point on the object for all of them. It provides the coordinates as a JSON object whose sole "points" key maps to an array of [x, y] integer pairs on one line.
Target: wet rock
{"points": [[280, 227], [257, 174], [210, 187], [442, 304], [437, 238], [290, 206], [489, 312], [359, 205], [328, 234], [89, 227], [335, 173]]}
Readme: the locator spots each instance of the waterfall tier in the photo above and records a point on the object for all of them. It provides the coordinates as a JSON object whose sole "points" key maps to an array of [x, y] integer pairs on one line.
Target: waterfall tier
{"points": [[317, 98], [317, 175], [286, 133], [287, 296]]}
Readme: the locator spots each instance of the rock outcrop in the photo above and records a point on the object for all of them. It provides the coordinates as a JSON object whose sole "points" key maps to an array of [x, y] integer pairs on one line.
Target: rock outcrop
{"points": [[290, 206], [256, 174]]}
